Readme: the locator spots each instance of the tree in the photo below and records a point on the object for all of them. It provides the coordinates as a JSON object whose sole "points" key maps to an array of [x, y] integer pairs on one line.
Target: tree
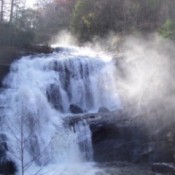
{"points": [[2, 11], [54, 16], [83, 18], [12, 11], [168, 29]]}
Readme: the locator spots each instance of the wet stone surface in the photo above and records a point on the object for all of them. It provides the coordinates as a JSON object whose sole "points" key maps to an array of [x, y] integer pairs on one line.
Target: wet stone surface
{"points": [[124, 168]]}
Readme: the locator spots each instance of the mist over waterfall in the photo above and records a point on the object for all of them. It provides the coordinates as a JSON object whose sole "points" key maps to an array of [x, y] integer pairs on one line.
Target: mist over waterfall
{"points": [[39, 92]]}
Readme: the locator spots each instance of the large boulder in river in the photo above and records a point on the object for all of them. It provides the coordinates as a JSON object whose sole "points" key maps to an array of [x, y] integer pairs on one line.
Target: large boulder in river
{"points": [[7, 166], [37, 48], [75, 109], [103, 109], [163, 168], [116, 136]]}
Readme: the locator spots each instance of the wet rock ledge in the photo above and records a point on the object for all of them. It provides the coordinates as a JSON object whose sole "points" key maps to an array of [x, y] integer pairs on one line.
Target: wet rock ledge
{"points": [[116, 136]]}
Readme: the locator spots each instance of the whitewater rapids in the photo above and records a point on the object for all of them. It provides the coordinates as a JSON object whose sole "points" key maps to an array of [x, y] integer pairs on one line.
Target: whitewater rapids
{"points": [[38, 93]]}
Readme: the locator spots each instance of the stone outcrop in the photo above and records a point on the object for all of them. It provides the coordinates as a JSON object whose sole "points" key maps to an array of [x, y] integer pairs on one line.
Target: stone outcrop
{"points": [[4, 69], [163, 168], [117, 136], [34, 49], [75, 109], [103, 109], [7, 166]]}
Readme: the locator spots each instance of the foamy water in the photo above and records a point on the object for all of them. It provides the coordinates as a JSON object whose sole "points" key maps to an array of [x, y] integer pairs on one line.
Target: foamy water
{"points": [[39, 91]]}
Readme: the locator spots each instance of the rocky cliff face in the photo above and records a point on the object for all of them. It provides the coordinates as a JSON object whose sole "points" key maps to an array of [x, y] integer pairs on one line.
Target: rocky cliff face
{"points": [[118, 136]]}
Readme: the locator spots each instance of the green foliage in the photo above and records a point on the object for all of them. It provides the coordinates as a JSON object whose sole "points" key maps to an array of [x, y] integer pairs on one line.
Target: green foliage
{"points": [[21, 32], [4, 34], [168, 29], [24, 38], [83, 17], [13, 36], [88, 18], [53, 17], [26, 19], [91, 18], [99, 17]]}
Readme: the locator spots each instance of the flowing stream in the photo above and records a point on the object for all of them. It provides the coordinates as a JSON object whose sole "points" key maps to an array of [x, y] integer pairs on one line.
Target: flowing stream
{"points": [[36, 100]]}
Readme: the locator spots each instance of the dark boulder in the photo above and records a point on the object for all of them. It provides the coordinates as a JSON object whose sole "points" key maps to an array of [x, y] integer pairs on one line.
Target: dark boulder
{"points": [[3, 146], [54, 97], [4, 70], [31, 49], [103, 109], [75, 109], [163, 168], [8, 167], [119, 142]]}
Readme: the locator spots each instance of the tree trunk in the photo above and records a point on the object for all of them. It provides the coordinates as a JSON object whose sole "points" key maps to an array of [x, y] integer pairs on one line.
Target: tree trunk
{"points": [[2, 11], [11, 11]]}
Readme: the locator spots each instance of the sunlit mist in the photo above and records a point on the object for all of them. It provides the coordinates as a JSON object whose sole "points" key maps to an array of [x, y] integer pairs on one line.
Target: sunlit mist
{"points": [[30, 3]]}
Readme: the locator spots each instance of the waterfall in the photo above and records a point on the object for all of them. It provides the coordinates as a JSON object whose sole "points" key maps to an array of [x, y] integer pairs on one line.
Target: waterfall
{"points": [[33, 107]]}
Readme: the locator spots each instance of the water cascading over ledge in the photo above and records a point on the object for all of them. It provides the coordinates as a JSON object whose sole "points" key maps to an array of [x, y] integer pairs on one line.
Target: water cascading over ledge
{"points": [[39, 92], [83, 80]]}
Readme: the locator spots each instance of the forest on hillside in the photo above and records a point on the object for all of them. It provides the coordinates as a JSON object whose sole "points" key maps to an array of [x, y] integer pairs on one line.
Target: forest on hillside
{"points": [[21, 26]]}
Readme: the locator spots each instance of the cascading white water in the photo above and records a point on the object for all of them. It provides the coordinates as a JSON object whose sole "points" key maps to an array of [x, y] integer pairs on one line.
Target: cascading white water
{"points": [[39, 91]]}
